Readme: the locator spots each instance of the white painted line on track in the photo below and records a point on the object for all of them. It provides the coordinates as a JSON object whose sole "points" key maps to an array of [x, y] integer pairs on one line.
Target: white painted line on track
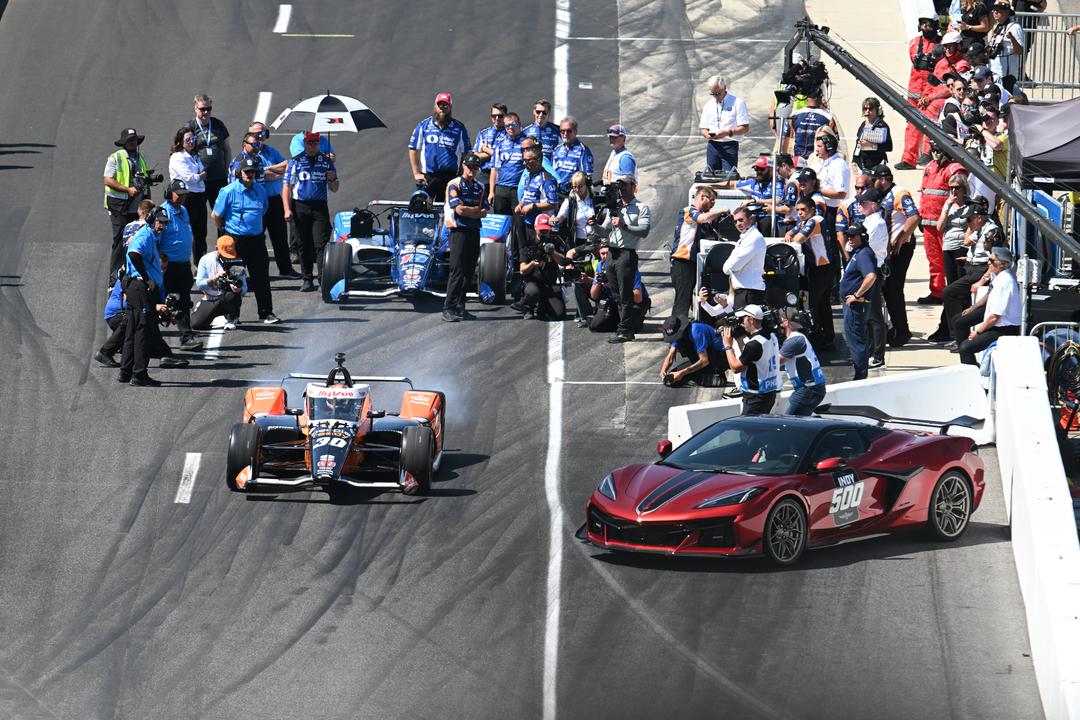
{"points": [[262, 108], [770, 138], [555, 372], [211, 351], [187, 477], [284, 14]]}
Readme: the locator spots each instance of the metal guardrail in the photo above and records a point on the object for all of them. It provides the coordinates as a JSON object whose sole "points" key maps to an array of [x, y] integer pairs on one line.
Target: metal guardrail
{"points": [[1051, 57]]}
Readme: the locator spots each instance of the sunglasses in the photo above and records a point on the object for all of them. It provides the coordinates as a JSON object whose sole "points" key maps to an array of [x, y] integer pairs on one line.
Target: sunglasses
{"points": [[205, 109], [514, 125], [861, 187], [189, 139], [540, 112], [565, 131], [496, 116]]}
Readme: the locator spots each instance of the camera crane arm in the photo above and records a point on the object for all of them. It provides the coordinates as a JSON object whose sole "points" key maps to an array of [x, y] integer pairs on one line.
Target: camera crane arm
{"points": [[807, 32]]}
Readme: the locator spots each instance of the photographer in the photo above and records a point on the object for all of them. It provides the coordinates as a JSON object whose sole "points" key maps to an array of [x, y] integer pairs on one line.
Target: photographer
{"points": [[222, 278], [576, 214], [694, 223], [702, 349], [604, 301], [801, 365], [625, 229], [758, 361], [540, 260], [142, 286], [920, 50], [125, 187]]}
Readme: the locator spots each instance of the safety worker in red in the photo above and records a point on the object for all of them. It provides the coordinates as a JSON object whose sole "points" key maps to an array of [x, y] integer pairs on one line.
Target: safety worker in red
{"points": [[951, 64], [934, 193], [922, 62]]}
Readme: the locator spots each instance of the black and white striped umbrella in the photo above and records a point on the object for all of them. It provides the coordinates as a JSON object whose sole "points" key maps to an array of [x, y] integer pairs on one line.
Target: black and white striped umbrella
{"points": [[328, 113]]}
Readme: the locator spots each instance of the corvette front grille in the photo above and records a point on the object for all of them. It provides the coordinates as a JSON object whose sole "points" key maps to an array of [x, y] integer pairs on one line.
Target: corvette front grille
{"points": [[711, 533]]}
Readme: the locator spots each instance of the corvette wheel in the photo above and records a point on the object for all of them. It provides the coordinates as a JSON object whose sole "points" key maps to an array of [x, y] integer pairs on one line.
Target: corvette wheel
{"points": [[785, 532], [417, 453], [243, 452], [950, 507]]}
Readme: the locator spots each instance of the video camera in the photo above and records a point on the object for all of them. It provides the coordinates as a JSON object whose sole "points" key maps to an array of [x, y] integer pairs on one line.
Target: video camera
{"points": [[805, 78], [173, 306], [143, 181], [924, 61], [607, 201]]}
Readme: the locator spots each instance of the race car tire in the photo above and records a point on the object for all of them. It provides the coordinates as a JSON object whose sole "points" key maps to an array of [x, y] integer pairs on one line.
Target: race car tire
{"points": [[493, 269], [784, 536], [417, 454], [337, 266], [243, 451], [950, 507]]}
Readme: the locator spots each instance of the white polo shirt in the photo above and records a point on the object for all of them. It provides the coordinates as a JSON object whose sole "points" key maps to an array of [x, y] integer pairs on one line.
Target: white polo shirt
{"points": [[878, 233], [746, 264], [727, 114], [1004, 300], [835, 174]]}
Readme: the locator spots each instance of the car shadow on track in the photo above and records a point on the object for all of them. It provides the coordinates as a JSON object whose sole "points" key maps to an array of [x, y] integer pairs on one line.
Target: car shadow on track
{"points": [[455, 460], [354, 496], [897, 547]]}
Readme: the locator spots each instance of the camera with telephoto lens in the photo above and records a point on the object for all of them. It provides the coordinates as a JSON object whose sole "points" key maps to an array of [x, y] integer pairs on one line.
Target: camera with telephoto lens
{"points": [[143, 181], [805, 78], [172, 307], [993, 51], [540, 251]]}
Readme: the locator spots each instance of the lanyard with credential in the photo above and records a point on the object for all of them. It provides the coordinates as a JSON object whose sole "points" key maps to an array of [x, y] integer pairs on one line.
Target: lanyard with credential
{"points": [[205, 133]]}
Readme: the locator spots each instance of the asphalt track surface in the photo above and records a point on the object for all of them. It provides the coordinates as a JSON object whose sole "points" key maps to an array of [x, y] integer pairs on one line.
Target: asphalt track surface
{"points": [[116, 601]]}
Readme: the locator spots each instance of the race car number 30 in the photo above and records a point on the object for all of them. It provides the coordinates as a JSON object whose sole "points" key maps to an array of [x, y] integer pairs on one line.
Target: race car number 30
{"points": [[846, 498]]}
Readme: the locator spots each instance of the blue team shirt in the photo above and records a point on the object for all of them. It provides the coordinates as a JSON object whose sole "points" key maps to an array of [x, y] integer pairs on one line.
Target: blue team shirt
{"points": [[440, 150], [704, 336], [145, 243], [507, 160], [489, 136], [805, 123], [547, 135], [466, 193], [242, 208], [271, 156], [115, 304], [861, 264], [601, 267], [306, 176], [539, 187], [762, 190], [907, 207], [234, 166], [567, 160], [175, 241], [296, 145], [544, 163]]}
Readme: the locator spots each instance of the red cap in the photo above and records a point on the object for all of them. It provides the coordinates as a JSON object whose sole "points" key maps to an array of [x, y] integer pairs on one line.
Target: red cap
{"points": [[311, 136], [762, 162], [543, 221], [444, 97]]}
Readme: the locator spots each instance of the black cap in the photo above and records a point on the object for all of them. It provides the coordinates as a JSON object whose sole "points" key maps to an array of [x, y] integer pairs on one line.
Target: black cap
{"points": [[126, 135], [157, 213], [472, 161], [674, 328], [979, 206], [871, 195], [806, 175], [981, 73], [880, 171], [249, 163], [178, 186], [855, 229]]}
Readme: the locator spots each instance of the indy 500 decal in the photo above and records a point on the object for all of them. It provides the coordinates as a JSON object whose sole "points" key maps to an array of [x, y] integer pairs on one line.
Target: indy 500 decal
{"points": [[846, 498]]}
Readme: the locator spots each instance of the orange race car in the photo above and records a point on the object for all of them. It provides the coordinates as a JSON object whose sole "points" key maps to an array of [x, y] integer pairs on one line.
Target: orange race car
{"points": [[335, 439]]}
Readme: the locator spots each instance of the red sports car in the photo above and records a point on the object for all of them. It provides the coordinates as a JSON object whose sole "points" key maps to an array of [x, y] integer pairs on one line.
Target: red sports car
{"points": [[775, 485]]}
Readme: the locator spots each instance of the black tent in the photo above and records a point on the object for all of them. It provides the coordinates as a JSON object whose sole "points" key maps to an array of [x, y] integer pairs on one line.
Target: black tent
{"points": [[1044, 147]]}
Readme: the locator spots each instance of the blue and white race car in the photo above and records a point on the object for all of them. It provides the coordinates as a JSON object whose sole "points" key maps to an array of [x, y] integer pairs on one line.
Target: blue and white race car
{"points": [[395, 247]]}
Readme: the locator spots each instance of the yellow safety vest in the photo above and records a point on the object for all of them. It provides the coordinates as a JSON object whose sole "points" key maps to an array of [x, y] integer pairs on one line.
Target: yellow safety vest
{"points": [[123, 170]]}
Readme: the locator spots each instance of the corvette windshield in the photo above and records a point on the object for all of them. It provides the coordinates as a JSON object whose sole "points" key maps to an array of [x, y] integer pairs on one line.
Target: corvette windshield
{"points": [[419, 227], [336, 408], [754, 447]]}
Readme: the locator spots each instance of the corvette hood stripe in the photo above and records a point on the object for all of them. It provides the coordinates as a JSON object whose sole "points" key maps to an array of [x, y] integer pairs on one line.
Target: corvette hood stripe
{"points": [[669, 489]]}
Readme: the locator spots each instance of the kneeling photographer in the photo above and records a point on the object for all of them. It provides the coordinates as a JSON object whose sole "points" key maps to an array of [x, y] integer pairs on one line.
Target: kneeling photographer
{"points": [[222, 278], [540, 259], [703, 352], [625, 229], [758, 361], [600, 299]]}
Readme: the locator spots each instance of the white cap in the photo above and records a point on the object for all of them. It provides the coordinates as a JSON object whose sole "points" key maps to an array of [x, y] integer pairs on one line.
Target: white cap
{"points": [[753, 311], [951, 38]]}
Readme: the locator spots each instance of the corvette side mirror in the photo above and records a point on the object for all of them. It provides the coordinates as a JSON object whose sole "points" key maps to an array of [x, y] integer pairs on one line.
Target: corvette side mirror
{"points": [[829, 464], [664, 448]]}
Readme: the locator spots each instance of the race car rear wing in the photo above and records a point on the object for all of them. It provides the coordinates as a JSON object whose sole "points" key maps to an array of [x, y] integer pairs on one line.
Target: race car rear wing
{"points": [[883, 418], [356, 378]]}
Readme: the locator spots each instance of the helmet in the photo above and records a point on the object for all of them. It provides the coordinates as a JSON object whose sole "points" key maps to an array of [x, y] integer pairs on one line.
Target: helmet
{"points": [[420, 202], [881, 171]]}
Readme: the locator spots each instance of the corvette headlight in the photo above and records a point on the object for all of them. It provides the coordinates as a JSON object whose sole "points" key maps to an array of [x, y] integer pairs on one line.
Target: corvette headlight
{"points": [[607, 487], [736, 498]]}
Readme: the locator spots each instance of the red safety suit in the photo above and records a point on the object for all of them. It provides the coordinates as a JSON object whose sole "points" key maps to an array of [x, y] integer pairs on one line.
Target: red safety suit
{"points": [[934, 193]]}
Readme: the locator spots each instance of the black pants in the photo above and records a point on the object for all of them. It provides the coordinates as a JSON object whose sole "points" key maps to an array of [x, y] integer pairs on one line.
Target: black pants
{"points": [[758, 403], [141, 333], [820, 279], [622, 268], [313, 227], [196, 207], [711, 376], [118, 325], [683, 275], [205, 312], [544, 299], [894, 288], [252, 250], [464, 252], [875, 320], [956, 297], [119, 218], [746, 296], [955, 263], [213, 187], [436, 184], [828, 231], [274, 222], [178, 280], [968, 348], [586, 307]]}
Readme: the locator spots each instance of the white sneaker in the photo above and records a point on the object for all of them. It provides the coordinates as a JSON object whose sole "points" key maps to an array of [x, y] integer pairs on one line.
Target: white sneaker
{"points": [[876, 364], [230, 323]]}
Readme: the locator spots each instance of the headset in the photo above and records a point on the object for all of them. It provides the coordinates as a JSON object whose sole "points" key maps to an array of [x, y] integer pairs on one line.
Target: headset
{"points": [[829, 142]]}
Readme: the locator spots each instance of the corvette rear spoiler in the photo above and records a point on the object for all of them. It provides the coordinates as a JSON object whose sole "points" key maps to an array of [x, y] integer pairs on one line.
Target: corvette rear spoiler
{"points": [[356, 378], [883, 418]]}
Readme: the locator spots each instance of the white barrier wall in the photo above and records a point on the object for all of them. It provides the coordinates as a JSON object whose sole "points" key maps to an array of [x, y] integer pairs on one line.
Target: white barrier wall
{"points": [[937, 394], [1040, 510]]}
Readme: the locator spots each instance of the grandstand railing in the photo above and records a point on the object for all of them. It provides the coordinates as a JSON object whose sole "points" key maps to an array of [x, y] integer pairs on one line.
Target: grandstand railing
{"points": [[1051, 59]]}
